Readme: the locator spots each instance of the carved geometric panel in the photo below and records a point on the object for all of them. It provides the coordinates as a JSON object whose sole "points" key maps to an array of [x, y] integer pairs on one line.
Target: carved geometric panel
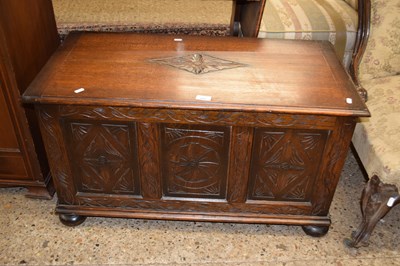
{"points": [[285, 164], [103, 157], [197, 63], [195, 161]]}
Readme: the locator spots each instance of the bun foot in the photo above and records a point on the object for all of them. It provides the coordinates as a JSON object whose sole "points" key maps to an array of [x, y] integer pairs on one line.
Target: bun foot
{"points": [[71, 219], [315, 231]]}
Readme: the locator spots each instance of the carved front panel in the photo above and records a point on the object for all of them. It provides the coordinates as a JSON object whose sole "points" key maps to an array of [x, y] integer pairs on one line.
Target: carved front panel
{"points": [[104, 157], [285, 164], [195, 161]]}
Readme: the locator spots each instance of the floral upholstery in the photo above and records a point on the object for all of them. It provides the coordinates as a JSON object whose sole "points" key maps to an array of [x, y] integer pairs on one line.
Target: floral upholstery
{"points": [[376, 138], [382, 57], [333, 20]]}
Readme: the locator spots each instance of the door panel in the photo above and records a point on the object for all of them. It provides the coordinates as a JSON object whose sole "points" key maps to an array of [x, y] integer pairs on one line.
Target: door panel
{"points": [[12, 165], [8, 140]]}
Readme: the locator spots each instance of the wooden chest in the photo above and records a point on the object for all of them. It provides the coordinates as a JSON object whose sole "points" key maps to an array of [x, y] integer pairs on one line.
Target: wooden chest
{"points": [[196, 128]]}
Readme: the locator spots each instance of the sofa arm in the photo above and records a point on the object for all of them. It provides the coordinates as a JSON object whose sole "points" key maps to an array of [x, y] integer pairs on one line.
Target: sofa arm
{"points": [[352, 3]]}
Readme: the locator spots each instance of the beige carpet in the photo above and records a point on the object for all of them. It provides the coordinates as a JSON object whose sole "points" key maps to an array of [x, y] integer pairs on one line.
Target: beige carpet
{"points": [[201, 17], [31, 234]]}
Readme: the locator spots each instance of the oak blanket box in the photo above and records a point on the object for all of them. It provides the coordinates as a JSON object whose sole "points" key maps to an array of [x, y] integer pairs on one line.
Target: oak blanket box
{"points": [[195, 128]]}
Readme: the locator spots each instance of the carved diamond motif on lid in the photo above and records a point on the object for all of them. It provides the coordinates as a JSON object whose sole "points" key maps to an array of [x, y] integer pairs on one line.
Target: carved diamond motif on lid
{"points": [[198, 63]]}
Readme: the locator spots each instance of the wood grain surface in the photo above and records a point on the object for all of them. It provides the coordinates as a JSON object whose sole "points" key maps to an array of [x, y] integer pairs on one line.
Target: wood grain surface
{"points": [[124, 70], [128, 135]]}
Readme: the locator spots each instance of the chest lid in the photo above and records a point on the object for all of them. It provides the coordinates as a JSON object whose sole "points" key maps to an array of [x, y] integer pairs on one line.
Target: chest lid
{"points": [[210, 73]]}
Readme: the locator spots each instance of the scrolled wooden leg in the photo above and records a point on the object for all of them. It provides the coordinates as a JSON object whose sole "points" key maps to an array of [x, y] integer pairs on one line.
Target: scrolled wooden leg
{"points": [[377, 199], [71, 219], [315, 231]]}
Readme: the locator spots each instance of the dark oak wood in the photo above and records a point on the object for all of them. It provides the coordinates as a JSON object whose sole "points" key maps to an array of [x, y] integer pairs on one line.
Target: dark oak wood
{"points": [[247, 16], [72, 220], [315, 231], [286, 76], [364, 20], [134, 141], [28, 37]]}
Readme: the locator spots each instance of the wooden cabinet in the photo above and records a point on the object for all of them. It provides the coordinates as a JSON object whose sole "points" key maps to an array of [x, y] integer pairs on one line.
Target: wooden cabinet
{"points": [[196, 128], [12, 163], [28, 37]]}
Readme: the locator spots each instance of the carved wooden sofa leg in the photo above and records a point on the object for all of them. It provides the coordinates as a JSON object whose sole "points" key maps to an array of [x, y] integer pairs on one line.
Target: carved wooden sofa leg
{"points": [[377, 199]]}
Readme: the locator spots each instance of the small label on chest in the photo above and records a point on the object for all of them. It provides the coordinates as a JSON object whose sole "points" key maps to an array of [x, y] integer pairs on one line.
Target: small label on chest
{"points": [[203, 98]]}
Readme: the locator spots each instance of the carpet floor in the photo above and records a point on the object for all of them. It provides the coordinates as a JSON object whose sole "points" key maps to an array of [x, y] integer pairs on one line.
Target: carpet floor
{"points": [[196, 17], [32, 234]]}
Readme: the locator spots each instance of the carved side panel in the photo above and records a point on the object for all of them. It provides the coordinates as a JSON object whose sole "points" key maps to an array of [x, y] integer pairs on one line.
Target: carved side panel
{"points": [[104, 157], [195, 161], [285, 164], [56, 152], [332, 164]]}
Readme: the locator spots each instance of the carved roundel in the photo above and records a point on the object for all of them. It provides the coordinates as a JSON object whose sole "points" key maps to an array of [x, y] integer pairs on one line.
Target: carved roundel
{"points": [[194, 162]]}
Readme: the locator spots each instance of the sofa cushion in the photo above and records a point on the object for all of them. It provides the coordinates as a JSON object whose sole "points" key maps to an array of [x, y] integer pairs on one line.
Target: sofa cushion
{"points": [[376, 138], [382, 55], [333, 20]]}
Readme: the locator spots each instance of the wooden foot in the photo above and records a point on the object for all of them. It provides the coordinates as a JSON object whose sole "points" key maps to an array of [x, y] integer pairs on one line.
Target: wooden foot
{"points": [[377, 199], [71, 219], [315, 231]]}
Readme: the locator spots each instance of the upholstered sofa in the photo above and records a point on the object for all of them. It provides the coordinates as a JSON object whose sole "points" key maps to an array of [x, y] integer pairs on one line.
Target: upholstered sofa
{"points": [[377, 139], [333, 20]]}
